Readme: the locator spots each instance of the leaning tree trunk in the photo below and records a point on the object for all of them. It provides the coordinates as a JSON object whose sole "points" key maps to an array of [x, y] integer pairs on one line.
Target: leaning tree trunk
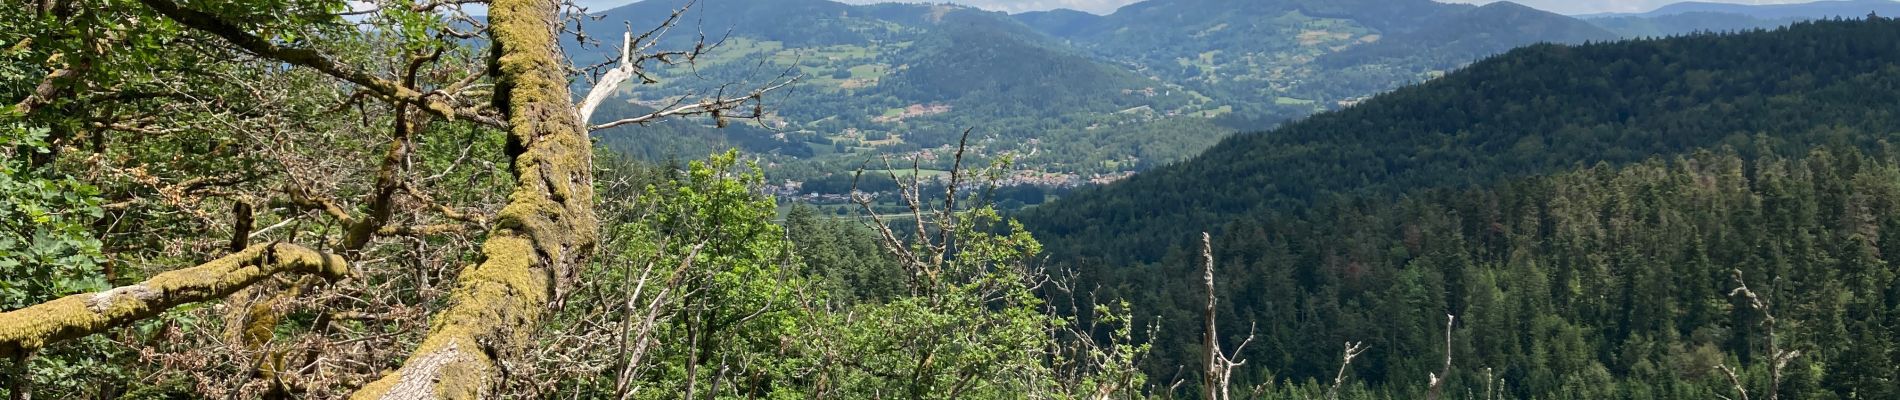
{"points": [[541, 237]]}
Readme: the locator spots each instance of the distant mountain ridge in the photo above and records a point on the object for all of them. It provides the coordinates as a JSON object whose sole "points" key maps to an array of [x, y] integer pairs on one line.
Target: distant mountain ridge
{"points": [[1810, 10], [1686, 23], [1696, 17], [1472, 35], [1282, 59], [1060, 22]]}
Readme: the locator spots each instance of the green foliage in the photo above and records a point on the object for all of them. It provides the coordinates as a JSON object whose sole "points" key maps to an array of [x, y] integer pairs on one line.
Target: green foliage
{"points": [[734, 285], [969, 327], [48, 249], [47, 246], [822, 308]]}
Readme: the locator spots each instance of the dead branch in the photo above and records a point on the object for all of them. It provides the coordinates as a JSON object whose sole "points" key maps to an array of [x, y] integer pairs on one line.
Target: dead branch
{"points": [[613, 79], [1740, 390], [632, 54], [1438, 380], [643, 335], [1220, 364], [717, 106], [1778, 358], [1339, 379]]}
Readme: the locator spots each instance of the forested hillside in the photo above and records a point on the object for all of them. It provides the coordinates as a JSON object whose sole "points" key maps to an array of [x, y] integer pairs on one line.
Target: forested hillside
{"points": [[1699, 17], [1672, 164], [1604, 282], [1534, 110]]}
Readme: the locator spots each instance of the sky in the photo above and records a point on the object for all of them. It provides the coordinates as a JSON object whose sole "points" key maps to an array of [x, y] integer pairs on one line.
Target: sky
{"points": [[1558, 6]]}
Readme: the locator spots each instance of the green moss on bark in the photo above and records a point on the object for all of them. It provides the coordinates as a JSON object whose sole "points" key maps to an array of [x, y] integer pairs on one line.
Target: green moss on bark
{"points": [[79, 315]]}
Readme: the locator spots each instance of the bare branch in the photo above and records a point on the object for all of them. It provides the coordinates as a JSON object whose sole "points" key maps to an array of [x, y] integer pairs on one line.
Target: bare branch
{"points": [[948, 214], [634, 53]]}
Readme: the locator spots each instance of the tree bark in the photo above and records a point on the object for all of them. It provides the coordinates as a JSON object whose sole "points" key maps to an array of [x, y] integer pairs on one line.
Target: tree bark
{"points": [[541, 238]]}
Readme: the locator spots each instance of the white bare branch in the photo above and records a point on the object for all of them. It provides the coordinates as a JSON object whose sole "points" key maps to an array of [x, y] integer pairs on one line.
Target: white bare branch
{"points": [[612, 80], [635, 51], [716, 106]]}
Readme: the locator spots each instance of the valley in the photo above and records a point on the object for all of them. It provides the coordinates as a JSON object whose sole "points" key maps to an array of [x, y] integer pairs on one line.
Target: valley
{"points": [[1071, 97]]}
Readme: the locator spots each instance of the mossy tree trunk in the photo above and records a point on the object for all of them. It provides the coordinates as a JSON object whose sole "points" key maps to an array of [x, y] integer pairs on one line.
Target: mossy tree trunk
{"points": [[540, 238]]}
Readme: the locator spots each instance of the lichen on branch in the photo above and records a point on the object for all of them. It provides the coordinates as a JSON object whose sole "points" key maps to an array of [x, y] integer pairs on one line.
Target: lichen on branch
{"points": [[74, 316]]}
